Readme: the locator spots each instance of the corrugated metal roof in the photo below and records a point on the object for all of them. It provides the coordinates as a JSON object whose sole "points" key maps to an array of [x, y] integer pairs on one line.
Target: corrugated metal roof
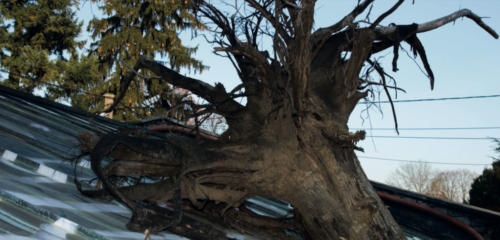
{"points": [[38, 198]]}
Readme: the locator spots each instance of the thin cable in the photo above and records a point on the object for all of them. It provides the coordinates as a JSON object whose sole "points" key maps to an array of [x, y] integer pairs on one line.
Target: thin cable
{"points": [[427, 129], [366, 102], [437, 138], [416, 161], [433, 99]]}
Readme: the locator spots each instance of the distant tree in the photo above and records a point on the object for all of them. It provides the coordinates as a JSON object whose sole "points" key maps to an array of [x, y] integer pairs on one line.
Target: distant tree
{"points": [[452, 185], [416, 177], [485, 191], [420, 177]]}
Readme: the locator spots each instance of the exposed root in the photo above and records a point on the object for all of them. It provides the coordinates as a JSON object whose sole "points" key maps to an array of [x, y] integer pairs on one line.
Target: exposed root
{"points": [[252, 224], [158, 205], [134, 168]]}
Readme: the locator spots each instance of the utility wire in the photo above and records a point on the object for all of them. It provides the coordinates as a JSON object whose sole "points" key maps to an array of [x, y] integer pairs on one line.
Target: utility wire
{"points": [[433, 99], [416, 161], [367, 102], [436, 138], [427, 129]]}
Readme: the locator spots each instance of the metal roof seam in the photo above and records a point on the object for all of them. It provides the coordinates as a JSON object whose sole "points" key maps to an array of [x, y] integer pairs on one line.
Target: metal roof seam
{"points": [[53, 218]]}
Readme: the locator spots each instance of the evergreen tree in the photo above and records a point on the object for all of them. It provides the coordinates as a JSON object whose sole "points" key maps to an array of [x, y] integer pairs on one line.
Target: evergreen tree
{"points": [[130, 29], [32, 35], [80, 83], [485, 191]]}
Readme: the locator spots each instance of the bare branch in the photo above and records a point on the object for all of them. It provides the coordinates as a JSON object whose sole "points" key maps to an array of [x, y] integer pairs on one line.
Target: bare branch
{"points": [[319, 35], [290, 4], [215, 95], [386, 33], [219, 19], [266, 14], [256, 30], [392, 35], [382, 74], [245, 54], [431, 25], [418, 47], [381, 84], [384, 15]]}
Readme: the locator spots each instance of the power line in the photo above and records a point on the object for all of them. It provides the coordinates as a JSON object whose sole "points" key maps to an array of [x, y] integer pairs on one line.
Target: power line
{"points": [[433, 99], [427, 129], [416, 161], [367, 102], [436, 138]]}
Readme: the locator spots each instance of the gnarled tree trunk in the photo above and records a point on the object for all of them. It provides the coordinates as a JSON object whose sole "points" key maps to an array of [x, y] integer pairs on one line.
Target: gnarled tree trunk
{"points": [[321, 176]]}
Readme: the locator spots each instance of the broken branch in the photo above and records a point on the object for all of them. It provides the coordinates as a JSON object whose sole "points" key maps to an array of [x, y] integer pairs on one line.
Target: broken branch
{"points": [[431, 25], [215, 95], [320, 35]]}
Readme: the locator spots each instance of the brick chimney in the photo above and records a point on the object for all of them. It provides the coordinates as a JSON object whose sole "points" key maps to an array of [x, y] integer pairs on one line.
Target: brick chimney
{"points": [[108, 100]]}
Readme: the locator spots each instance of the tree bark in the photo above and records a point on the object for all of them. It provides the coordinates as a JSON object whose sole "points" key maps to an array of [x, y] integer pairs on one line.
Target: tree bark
{"points": [[337, 202], [317, 171]]}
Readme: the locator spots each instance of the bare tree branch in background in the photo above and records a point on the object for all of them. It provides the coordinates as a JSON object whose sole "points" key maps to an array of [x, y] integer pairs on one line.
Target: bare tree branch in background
{"points": [[452, 185], [416, 177]]}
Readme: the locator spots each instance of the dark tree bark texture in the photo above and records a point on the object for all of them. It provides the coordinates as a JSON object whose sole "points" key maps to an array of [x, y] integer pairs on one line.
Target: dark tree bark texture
{"points": [[289, 142]]}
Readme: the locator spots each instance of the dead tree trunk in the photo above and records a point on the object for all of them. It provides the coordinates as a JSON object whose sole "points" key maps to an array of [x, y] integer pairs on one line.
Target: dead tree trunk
{"points": [[289, 142]]}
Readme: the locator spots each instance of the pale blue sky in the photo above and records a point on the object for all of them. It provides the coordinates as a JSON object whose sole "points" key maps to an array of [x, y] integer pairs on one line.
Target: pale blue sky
{"points": [[465, 60]]}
